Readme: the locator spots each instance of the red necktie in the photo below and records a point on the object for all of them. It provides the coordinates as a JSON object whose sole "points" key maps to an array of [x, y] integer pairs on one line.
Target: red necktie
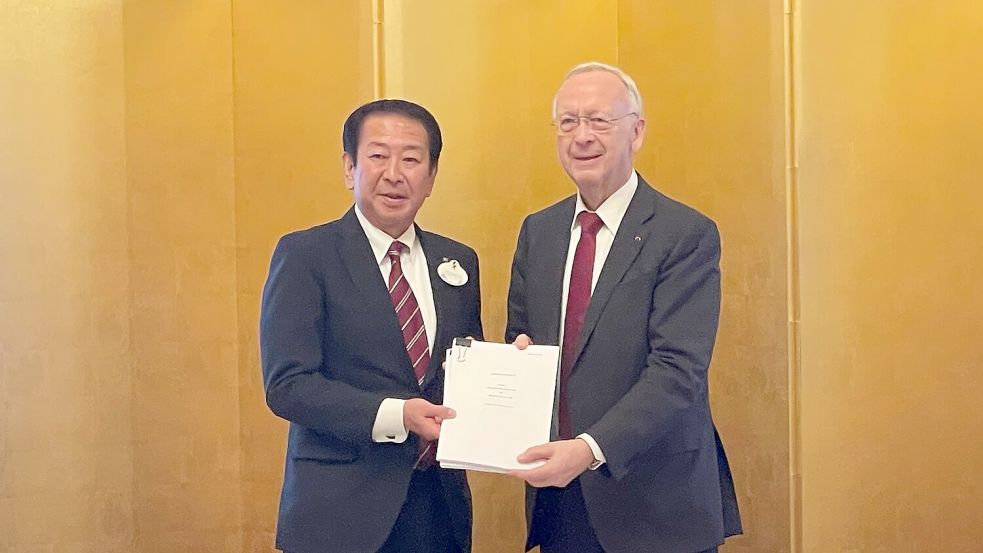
{"points": [[414, 336], [578, 299]]}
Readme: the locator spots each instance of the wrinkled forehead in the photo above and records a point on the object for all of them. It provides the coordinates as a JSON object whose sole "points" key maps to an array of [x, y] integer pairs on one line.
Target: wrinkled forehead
{"points": [[592, 92]]}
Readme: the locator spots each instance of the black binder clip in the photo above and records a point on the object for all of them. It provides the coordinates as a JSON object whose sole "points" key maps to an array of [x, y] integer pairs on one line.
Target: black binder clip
{"points": [[462, 350]]}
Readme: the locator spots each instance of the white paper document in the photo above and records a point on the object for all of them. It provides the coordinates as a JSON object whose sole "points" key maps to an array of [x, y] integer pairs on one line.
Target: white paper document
{"points": [[504, 403]]}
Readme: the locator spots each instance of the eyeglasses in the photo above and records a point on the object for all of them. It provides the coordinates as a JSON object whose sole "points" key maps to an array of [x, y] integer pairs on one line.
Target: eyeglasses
{"points": [[566, 124]]}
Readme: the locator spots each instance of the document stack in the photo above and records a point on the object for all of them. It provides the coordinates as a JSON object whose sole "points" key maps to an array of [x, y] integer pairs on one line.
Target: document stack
{"points": [[503, 397]]}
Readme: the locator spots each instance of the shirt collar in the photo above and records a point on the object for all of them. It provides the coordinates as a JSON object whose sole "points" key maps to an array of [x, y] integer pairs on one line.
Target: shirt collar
{"points": [[613, 209], [380, 241]]}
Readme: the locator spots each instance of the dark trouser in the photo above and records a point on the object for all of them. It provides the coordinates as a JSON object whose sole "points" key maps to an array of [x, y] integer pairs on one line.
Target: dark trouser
{"points": [[560, 522], [424, 523], [561, 525]]}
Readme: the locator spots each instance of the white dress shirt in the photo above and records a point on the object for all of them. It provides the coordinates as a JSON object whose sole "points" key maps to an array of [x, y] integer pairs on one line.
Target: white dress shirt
{"points": [[388, 425], [611, 213]]}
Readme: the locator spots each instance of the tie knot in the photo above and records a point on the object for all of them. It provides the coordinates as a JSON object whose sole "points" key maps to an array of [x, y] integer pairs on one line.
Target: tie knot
{"points": [[396, 248], [590, 223]]}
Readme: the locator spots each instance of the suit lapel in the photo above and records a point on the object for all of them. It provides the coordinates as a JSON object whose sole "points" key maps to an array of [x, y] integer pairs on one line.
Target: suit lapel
{"points": [[363, 271], [632, 234], [554, 261], [441, 299]]}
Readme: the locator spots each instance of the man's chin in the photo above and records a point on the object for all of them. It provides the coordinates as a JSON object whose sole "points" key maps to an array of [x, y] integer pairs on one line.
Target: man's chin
{"points": [[584, 179], [392, 222]]}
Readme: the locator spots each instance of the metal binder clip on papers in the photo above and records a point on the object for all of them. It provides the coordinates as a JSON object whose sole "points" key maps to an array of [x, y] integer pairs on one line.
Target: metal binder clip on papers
{"points": [[504, 403]]}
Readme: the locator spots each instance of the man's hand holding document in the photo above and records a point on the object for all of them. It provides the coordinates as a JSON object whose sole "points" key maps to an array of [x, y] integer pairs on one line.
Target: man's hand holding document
{"points": [[503, 397]]}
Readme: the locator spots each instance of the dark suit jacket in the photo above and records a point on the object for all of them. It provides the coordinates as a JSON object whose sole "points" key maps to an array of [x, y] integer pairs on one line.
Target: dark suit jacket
{"points": [[639, 383], [332, 350]]}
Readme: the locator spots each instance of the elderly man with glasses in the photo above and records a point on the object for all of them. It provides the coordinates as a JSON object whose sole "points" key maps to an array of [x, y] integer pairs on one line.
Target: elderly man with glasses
{"points": [[627, 282]]}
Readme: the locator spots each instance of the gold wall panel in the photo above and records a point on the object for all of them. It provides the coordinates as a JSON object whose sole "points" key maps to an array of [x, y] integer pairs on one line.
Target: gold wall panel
{"points": [[152, 152], [712, 80], [890, 135], [181, 221], [66, 456]]}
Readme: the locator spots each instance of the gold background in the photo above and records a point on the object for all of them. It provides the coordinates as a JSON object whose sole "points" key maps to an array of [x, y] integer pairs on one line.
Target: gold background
{"points": [[152, 152]]}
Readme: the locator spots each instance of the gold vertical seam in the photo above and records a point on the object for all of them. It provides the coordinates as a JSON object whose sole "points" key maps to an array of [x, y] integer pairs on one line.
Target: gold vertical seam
{"points": [[378, 49], [791, 47]]}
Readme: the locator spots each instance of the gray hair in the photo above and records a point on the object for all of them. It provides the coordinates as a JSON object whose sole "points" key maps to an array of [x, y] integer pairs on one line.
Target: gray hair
{"points": [[634, 97]]}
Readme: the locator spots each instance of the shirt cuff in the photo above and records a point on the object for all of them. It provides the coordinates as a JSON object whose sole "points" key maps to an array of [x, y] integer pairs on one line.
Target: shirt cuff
{"points": [[388, 425], [599, 458]]}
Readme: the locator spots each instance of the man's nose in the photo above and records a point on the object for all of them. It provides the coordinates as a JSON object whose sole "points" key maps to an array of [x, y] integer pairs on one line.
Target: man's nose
{"points": [[391, 172], [583, 132]]}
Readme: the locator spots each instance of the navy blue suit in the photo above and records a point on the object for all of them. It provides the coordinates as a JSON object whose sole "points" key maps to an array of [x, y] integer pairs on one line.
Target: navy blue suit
{"points": [[639, 382], [332, 350]]}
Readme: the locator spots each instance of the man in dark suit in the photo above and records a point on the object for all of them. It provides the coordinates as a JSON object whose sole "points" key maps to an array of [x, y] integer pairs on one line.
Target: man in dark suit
{"points": [[627, 282], [356, 316]]}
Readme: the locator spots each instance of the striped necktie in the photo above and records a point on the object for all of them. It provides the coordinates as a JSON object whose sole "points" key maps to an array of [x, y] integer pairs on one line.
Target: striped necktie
{"points": [[409, 315], [414, 337]]}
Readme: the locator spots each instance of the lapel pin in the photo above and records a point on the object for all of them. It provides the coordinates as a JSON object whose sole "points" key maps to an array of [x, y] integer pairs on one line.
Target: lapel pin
{"points": [[451, 272], [638, 239]]}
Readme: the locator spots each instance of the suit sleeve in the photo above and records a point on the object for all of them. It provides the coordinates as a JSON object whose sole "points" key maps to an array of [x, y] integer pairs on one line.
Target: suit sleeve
{"points": [[682, 328], [292, 324], [517, 322]]}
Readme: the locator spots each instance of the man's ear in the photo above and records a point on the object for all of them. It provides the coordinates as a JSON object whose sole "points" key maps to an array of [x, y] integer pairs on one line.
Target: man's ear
{"points": [[349, 165], [432, 177], [639, 135]]}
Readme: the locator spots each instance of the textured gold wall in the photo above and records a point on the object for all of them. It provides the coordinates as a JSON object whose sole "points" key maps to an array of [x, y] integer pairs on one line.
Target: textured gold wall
{"points": [[231, 113], [136, 232], [712, 78], [298, 73], [66, 460], [152, 152], [181, 188], [891, 131]]}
